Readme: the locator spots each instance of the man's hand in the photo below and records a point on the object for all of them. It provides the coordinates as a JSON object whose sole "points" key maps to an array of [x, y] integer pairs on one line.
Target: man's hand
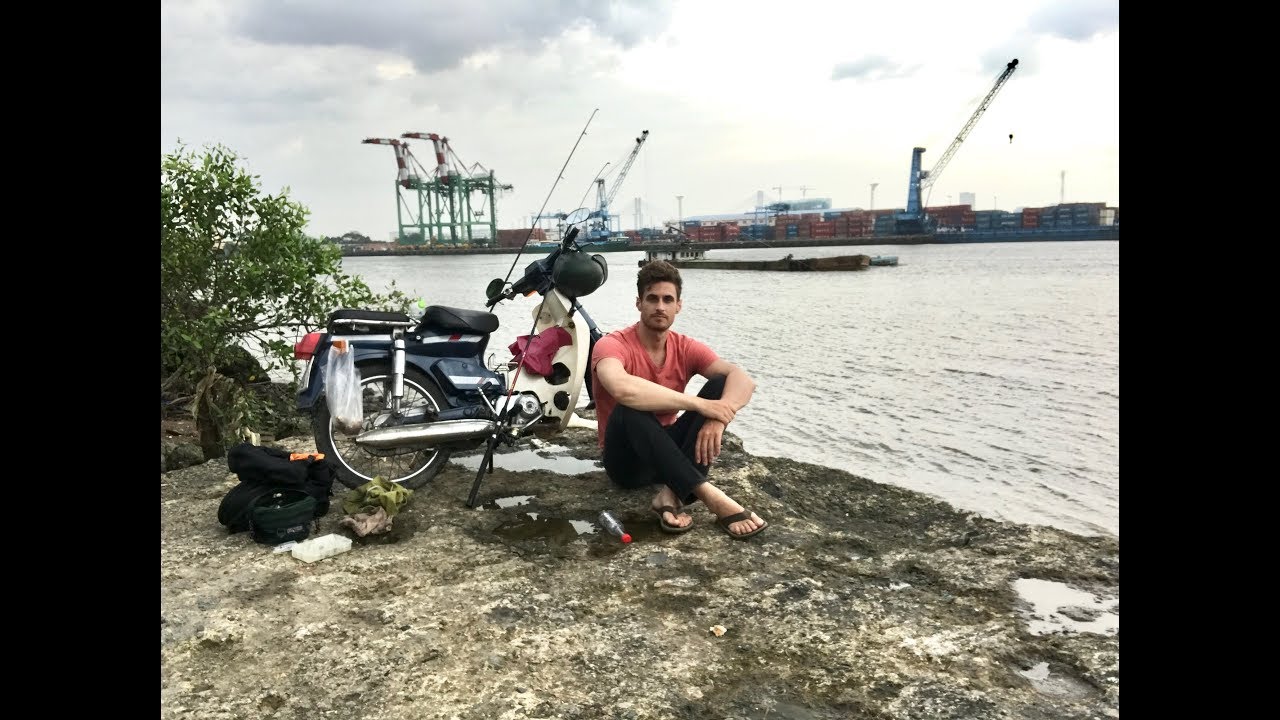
{"points": [[717, 410], [707, 447]]}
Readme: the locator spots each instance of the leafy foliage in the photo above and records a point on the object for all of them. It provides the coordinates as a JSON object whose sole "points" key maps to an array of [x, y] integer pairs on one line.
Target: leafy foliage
{"points": [[238, 271], [351, 237]]}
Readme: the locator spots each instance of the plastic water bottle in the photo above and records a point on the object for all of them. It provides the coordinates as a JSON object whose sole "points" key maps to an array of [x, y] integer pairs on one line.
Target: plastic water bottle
{"points": [[613, 527], [418, 309]]}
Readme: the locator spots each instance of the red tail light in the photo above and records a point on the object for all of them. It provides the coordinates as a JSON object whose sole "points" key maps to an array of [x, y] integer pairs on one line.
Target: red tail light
{"points": [[305, 348]]}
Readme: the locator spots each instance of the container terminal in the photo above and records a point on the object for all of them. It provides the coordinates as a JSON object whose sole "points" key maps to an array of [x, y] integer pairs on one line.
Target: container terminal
{"points": [[451, 208]]}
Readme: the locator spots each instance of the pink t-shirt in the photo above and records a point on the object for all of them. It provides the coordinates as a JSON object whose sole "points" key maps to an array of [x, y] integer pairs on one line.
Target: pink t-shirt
{"points": [[686, 357]]}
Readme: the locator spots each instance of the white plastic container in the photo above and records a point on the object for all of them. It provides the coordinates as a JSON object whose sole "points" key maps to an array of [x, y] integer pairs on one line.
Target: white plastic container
{"points": [[319, 548]]}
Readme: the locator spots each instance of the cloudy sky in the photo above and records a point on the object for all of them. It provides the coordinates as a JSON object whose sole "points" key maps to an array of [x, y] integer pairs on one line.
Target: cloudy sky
{"points": [[822, 99]]}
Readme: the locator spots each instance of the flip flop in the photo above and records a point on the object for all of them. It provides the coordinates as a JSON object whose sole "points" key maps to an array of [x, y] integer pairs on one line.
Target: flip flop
{"points": [[666, 526], [725, 522]]}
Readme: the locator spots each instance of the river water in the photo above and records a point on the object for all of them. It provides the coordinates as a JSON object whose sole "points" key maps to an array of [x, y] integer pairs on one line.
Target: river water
{"points": [[986, 375]]}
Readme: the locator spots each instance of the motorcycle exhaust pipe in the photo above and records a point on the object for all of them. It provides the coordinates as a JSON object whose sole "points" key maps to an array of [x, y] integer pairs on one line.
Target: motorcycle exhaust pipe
{"points": [[425, 435]]}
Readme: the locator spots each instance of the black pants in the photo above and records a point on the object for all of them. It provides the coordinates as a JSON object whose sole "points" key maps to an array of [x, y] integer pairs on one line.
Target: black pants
{"points": [[639, 452]]}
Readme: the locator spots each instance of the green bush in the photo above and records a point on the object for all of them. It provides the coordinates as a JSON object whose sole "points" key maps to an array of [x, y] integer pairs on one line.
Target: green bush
{"points": [[238, 271]]}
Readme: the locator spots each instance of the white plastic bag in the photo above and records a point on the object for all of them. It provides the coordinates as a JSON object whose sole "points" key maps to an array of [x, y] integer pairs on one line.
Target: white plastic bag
{"points": [[342, 389]]}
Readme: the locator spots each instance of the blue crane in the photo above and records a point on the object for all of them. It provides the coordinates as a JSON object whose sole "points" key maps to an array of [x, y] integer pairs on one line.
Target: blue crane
{"points": [[913, 221], [599, 222]]}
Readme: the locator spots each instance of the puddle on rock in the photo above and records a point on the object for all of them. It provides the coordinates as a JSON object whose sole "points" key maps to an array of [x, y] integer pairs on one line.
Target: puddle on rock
{"points": [[583, 527], [1057, 607], [510, 502], [539, 526], [552, 458], [645, 537], [534, 526]]}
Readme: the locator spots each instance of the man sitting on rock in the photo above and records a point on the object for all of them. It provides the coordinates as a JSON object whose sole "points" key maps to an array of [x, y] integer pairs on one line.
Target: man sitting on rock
{"points": [[638, 376]]}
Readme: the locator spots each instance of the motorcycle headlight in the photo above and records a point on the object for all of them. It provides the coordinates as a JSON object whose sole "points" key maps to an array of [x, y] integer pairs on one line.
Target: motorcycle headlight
{"points": [[529, 406]]}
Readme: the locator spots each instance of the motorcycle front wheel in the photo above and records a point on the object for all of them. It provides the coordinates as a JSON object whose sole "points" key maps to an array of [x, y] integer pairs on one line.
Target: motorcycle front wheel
{"points": [[357, 465]]}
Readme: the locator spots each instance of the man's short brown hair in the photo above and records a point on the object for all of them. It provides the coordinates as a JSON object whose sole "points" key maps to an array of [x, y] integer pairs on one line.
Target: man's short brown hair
{"points": [[656, 271]]}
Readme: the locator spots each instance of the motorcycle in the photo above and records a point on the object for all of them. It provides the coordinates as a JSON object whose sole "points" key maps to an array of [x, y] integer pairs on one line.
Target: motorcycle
{"points": [[425, 389]]}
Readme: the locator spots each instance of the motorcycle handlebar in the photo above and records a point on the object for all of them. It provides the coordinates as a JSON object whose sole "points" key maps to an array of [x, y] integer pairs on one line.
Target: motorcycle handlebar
{"points": [[536, 272]]}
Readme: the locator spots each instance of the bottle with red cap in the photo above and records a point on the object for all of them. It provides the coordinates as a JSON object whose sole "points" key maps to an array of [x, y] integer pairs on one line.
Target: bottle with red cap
{"points": [[613, 527]]}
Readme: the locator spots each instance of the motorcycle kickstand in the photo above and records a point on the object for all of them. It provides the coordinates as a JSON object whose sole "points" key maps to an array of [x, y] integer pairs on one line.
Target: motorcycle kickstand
{"points": [[486, 465]]}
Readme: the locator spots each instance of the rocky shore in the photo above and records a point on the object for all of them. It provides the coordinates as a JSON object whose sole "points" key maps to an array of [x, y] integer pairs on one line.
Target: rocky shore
{"points": [[861, 600]]}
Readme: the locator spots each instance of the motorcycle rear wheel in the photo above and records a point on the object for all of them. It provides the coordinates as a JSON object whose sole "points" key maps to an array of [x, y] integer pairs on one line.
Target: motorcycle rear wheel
{"points": [[358, 465]]}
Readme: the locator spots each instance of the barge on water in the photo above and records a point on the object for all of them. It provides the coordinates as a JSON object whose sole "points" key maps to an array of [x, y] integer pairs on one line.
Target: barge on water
{"points": [[687, 256]]}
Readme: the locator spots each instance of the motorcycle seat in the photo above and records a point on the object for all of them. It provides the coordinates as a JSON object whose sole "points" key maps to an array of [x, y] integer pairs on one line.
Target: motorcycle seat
{"points": [[448, 318]]}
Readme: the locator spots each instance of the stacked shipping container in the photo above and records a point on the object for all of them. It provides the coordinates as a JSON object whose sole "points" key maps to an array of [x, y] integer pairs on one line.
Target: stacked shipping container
{"points": [[862, 223], [515, 238]]}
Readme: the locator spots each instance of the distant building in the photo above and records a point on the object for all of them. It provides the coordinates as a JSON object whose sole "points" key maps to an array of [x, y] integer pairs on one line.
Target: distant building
{"points": [[765, 214], [803, 205]]}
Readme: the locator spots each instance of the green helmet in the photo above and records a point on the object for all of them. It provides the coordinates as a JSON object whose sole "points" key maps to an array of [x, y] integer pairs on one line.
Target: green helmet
{"points": [[577, 274]]}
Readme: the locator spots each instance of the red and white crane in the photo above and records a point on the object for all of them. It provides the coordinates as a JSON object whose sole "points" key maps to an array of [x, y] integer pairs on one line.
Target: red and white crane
{"points": [[441, 145], [402, 155]]}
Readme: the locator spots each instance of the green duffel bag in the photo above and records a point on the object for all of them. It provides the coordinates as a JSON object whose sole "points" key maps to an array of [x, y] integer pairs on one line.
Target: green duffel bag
{"points": [[282, 515]]}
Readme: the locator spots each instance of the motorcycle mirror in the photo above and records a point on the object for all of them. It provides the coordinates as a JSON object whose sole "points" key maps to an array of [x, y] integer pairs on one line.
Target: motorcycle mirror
{"points": [[494, 289], [577, 216]]}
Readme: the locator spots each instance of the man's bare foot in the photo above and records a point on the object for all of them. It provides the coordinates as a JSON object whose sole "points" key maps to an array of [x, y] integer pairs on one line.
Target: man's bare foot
{"points": [[667, 498], [724, 506]]}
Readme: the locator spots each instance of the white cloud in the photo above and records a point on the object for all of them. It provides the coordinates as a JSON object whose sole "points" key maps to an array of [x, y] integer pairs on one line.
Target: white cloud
{"points": [[738, 96]]}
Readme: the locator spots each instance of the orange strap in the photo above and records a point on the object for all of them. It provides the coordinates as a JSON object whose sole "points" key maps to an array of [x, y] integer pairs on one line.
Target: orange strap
{"points": [[306, 456]]}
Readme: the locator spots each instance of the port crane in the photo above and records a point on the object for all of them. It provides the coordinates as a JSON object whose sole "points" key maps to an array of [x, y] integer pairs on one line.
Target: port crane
{"points": [[914, 221], [599, 222]]}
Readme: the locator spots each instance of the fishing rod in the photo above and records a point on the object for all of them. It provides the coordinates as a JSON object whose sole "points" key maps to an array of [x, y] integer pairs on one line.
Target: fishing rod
{"points": [[515, 260], [559, 177]]}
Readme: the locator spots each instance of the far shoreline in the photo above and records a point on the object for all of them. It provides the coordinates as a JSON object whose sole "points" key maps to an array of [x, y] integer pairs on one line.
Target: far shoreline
{"points": [[1086, 234]]}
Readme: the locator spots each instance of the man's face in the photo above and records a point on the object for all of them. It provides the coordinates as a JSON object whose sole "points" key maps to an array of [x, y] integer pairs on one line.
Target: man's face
{"points": [[658, 306]]}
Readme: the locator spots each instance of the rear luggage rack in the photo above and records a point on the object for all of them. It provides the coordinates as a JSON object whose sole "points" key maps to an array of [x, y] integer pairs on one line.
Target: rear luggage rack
{"points": [[348, 320]]}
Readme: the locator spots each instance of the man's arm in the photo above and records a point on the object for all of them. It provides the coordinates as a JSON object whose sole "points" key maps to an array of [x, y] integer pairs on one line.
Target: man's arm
{"points": [[738, 385], [738, 388], [640, 394]]}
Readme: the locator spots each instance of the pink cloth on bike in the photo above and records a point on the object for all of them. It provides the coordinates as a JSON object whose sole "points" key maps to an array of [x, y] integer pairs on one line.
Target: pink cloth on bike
{"points": [[536, 355]]}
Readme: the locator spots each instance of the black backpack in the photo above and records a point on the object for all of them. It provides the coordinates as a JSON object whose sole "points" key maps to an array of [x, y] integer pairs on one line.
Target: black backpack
{"points": [[276, 489], [281, 516]]}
